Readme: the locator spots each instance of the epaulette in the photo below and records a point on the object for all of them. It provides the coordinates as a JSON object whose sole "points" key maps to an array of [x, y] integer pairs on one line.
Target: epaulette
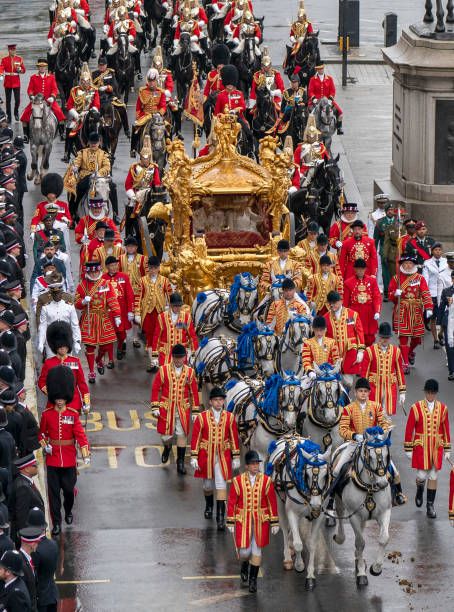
{"points": [[72, 409], [68, 298]]}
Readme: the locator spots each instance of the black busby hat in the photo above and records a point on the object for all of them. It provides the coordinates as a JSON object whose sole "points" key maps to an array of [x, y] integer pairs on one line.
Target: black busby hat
{"points": [[220, 54], [176, 299], [229, 75], [431, 385], [110, 260], [59, 334], [52, 183], [217, 392], [60, 384], [154, 261], [131, 241], [319, 323], [360, 263], [384, 330], [325, 260], [252, 456], [288, 283], [333, 297], [362, 383], [12, 561], [178, 351], [93, 138], [36, 518]]}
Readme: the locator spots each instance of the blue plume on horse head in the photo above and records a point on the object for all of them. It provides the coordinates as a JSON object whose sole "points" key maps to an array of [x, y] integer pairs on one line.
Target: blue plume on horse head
{"points": [[200, 367], [373, 432], [270, 404], [328, 373], [203, 342], [269, 468], [291, 379], [278, 280], [309, 447], [230, 384], [375, 437], [201, 297], [245, 345], [272, 447], [245, 280], [231, 406]]}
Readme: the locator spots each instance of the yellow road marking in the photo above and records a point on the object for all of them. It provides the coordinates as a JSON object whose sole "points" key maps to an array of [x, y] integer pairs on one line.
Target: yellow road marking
{"points": [[106, 581]]}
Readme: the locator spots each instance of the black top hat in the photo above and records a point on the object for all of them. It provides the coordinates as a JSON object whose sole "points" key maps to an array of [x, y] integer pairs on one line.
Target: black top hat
{"points": [[325, 260], [154, 261], [176, 300], [58, 334], [12, 561], [252, 456], [362, 383], [111, 260], [110, 234], [178, 351], [217, 392], [60, 384]]}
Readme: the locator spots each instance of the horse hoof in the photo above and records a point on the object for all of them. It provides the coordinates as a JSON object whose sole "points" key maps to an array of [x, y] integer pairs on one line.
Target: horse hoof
{"points": [[288, 565], [361, 581], [37, 180], [29, 177], [338, 540], [299, 568], [375, 572], [330, 521], [310, 584]]}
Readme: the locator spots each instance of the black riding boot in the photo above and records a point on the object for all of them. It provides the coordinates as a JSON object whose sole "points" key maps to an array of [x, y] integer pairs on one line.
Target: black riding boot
{"points": [[244, 573], [137, 66], [134, 142], [339, 127], [113, 196], [253, 573], [431, 493], [181, 451], [419, 492], [399, 498], [26, 130], [67, 155], [124, 121], [61, 130], [220, 515], [209, 502], [166, 453]]}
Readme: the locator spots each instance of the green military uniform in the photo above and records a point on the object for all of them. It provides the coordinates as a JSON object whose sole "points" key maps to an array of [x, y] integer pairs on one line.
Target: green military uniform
{"points": [[381, 228], [389, 251]]}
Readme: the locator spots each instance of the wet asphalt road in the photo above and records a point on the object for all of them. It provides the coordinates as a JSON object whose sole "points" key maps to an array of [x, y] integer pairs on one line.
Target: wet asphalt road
{"points": [[139, 541]]}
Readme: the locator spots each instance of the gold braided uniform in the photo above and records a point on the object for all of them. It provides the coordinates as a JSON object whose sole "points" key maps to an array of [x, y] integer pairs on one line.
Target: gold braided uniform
{"points": [[136, 268], [318, 287], [92, 160], [354, 420]]}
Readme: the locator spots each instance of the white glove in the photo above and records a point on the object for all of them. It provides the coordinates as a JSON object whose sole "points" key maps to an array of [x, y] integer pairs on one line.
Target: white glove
{"points": [[50, 43], [86, 408], [87, 460], [137, 319], [338, 244], [40, 348], [447, 455], [438, 328], [76, 348], [105, 28], [429, 313], [48, 449], [103, 88], [312, 375], [131, 38], [398, 292], [155, 412], [194, 464], [360, 356], [376, 316], [32, 236], [236, 463], [359, 438], [231, 528], [409, 454], [154, 362], [274, 529], [86, 300], [85, 239], [130, 316], [402, 398], [117, 321], [51, 99]]}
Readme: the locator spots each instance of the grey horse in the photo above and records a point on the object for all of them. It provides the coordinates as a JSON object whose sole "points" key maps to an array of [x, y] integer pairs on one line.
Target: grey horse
{"points": [[43, 128], [158, 141], [326, 121]]}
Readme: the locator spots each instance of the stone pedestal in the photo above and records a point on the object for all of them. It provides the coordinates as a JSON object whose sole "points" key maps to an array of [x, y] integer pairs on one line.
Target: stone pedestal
{"points": [[422, 168]]}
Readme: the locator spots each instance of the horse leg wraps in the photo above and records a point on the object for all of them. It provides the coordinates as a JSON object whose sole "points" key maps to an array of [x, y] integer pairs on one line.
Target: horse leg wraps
{"points": [[90, 355]]}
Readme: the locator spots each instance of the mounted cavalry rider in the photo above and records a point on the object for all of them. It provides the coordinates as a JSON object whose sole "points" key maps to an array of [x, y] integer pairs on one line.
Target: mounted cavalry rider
{"points": [[65, 23], [321, 86], [151, 100], [104, 79], [165, 79], [280, 266], [143, 174], [285, 309], [235, 15], [81, 99], [293, 98], [273, 81], [248, 27], [186, 24], [42, 83], [308, 155], [299, 29], [123, 25], [220, 57]]}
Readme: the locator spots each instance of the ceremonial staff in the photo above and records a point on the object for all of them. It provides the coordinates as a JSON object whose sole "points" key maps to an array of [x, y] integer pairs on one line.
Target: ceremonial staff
{"points": [[398, 272]]}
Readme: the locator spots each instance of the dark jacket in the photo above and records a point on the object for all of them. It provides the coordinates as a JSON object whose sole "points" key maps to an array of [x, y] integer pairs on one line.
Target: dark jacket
{"points": [[30, 430], [14, 426], [443, 306], [30, 580], [15, 597], [7, 451], [45, 559], [21, 184], [23, 497], [6, 543]]}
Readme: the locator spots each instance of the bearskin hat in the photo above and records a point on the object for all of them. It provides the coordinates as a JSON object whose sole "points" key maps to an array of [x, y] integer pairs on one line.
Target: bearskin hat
{"points": [[60, 384], [52, 183], [229, 75], [59, 334], [220, 54]]}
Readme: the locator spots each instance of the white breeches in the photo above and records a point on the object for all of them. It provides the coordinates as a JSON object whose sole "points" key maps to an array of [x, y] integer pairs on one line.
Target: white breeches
{"points": [[431, 474], [348, 448], [113, 49], [251, 550], [55, 47], [178, 431], [218, 480], [195, 48]]}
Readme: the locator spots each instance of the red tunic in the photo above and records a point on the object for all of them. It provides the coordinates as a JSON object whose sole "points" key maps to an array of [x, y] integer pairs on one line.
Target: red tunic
{"points": [[172, 393], [427, 435], [385, 373], [352, 250], [95, 102], [46, 85], [451, 495], [340, 230], [149, 102], [63, 213], [113, 33], [166, 334], [325, 88], [364, 297], [230, 99], [81, 392], [87, 226], [194, 32], [213, 442], [408, 316], [348, 333], [130, 179], [277, 84], [11, 68], [213, 83], [122, 286], [62, 429], [252, 509], [96, 321], [237, 32], [300, 165]]}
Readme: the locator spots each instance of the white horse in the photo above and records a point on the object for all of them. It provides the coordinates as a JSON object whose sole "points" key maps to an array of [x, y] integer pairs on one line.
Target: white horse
{"points": [[288, 357], [280, 411], [300, 473], [366, 496], [213, 361], [256, 349], [244, 395], [43, 128], [326, 121], [208, 310], [324, 406]]}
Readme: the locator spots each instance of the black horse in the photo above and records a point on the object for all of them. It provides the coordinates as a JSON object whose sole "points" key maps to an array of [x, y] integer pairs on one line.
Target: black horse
{"points": [[247, 64], [123, 63], [320, 200], [67, 67], [296, 124], [306, 58], [181, 66], [110, 126], [264, 115], [154, 14]]}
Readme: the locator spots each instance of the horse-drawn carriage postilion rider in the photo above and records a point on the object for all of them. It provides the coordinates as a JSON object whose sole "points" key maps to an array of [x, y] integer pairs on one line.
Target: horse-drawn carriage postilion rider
{"points": [[42, 83], [151, 100]]}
